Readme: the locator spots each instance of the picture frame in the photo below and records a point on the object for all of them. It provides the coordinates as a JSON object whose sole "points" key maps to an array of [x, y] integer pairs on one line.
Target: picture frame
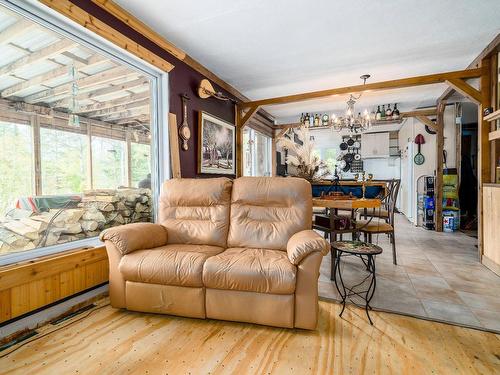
{"points": [[216, 145]]}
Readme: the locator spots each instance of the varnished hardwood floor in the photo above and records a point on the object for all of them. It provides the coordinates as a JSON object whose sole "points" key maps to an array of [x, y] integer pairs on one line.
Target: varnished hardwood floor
{"points": [[111, 341]]}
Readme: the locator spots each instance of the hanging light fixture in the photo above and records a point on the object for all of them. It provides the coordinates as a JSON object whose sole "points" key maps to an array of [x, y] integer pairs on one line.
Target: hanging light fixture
{"points": [[353, 122]]}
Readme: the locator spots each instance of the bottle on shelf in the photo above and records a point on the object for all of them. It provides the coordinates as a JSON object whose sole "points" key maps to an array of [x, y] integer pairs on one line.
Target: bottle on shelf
{"points": [[306, 119], [316, 120], [383, 112], [388, 112], [378, 114], [302, 118], [395, 112], [324, 120]]}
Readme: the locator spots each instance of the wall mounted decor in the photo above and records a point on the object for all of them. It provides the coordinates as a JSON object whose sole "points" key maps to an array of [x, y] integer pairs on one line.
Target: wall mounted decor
{"points": [[216, 145], [184, 131], [206, 90], [419, 159]]}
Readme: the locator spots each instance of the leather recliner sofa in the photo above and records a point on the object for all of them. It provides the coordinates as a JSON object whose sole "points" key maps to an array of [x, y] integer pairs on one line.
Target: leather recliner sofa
{"points": [[239, 250]]}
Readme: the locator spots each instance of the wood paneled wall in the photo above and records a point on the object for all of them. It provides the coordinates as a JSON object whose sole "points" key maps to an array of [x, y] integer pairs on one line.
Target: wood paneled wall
{"points": [[28, 286], [491, 222]]}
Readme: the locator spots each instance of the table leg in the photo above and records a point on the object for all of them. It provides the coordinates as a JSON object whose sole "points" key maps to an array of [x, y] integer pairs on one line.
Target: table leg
{"points": [[343, 292], [333, 254], [371, 289]]}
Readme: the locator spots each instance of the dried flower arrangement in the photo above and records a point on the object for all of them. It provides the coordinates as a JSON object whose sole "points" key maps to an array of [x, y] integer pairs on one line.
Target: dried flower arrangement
{"points": [[308, 165]]}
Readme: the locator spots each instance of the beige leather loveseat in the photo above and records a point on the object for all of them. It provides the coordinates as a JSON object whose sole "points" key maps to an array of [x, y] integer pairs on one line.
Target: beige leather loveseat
{"points": [[239, 250]]}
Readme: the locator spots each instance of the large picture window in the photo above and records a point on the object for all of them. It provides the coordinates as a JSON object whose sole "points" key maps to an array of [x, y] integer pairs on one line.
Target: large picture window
{"points": [[141, 165], [64, 162], [81, 147], [108, 161], [16, 166]]}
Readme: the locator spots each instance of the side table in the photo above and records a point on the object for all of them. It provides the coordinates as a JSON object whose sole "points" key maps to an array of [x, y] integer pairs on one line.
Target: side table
{"points": [[362, 250]]}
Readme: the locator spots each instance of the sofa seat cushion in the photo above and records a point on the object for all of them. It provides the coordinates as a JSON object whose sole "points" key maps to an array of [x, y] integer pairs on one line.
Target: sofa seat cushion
{"points": [[253, 270], [176, 264]]}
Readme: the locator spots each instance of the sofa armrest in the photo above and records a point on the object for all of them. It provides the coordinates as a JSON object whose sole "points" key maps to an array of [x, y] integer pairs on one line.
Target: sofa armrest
{"points": [[130, 237], [303, 243]]}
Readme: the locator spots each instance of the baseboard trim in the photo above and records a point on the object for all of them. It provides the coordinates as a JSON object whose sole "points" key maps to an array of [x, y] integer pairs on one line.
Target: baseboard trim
{"points": [[490, 264], [34, 319]]}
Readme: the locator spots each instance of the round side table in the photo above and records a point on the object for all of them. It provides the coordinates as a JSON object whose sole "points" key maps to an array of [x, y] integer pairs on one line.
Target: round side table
{"points": [[362, 250]]}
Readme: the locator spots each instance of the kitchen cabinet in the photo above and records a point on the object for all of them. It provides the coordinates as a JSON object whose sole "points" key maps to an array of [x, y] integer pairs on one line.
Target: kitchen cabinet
{"points": [[375, 145]]}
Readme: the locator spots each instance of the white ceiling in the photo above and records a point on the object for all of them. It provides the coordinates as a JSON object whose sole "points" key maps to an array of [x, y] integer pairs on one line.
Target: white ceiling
{"points": [[279, 47]]}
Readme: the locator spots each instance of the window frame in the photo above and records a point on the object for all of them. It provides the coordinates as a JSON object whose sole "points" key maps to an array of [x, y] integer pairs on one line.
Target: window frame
{"points": [[160, 155]]}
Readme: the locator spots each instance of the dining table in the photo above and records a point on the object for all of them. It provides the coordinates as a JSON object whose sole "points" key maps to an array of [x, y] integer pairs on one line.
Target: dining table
{"points": [[351, 204], [348, 203]]}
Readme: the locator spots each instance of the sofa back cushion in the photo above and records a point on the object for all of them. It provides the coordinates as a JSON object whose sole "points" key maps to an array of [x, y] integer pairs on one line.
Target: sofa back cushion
{"points": [[267, 211], [196, 211]]}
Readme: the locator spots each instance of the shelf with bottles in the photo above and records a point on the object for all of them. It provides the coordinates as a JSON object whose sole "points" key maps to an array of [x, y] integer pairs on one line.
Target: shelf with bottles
{"points": [[314, 121], [386, 115]]}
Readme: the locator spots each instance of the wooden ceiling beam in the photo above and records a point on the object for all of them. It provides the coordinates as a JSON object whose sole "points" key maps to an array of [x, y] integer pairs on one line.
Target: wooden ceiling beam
{"points": [[136, 24], [491, 48], [74, 57], [420, 112], [142, 119], [128, 114], [119, 109], [14, 30], [247, 116], [126, 17], [465, 89], [427, 121], [50, 75], [42, 54], [376, 86], [94, 24], [106, 90], [100, 78], [115, 102]]}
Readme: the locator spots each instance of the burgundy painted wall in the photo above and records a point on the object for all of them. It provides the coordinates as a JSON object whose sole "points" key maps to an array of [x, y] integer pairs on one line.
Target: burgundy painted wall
{"points": [[182, 80]]}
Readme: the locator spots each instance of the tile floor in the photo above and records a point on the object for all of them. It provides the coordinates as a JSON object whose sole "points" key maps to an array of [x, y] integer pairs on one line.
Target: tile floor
{"points": [[438, 277]]}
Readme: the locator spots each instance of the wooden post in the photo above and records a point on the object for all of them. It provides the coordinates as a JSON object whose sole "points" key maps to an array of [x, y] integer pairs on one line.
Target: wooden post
{"points": [[37, 155], [128, 159], [90, 169], [484, 166], [438, 189], [494, 149]]}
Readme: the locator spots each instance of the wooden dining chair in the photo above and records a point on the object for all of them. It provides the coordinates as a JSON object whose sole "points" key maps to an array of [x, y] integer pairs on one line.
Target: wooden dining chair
{"points": [[383, 212], [380, 226]]}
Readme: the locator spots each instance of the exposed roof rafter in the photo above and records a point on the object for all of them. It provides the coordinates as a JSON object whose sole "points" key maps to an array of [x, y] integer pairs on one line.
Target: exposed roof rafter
{"points": [[42, 54], [104, 77], [53, 74]]}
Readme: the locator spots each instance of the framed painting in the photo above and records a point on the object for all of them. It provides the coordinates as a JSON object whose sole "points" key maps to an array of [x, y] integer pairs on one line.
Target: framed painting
{"points": [[216, 145]]}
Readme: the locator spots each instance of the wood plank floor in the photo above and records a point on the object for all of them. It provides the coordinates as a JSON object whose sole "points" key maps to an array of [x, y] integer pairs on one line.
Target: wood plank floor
{"points": [[111, 341]]}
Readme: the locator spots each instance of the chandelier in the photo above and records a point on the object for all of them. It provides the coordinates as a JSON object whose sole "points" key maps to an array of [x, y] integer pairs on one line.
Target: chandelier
{"points": [[353, 122]]}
